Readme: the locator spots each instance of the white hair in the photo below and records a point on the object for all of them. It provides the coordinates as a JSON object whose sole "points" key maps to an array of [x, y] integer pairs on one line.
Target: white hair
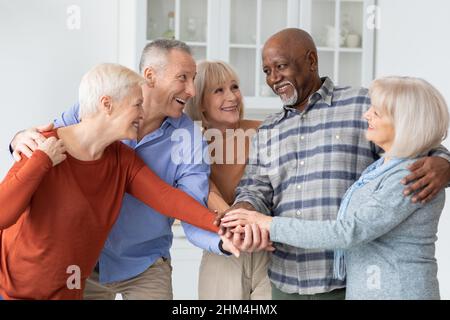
{"points": [[107, 79], [418, 113]]}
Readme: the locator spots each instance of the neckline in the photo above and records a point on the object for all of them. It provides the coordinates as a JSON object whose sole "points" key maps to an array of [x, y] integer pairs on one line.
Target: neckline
{"points": [[83, 162]]}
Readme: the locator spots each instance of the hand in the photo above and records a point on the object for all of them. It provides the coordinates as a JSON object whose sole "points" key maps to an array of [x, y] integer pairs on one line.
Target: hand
{"points": [[242, 217], [54, 149], [27, 141], [251, 238], [430, 175], [228, 245], [219, 216]]}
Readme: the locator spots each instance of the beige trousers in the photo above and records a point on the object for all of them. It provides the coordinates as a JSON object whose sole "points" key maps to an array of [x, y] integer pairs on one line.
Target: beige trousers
{"points": [[155, 283], [231, 278]]}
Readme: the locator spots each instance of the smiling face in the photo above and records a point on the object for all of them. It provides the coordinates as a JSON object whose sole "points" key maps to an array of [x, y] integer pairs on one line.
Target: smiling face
{"points": [[290, 65], [128, 113], [174, 84], [381, 130], [222, 104]]}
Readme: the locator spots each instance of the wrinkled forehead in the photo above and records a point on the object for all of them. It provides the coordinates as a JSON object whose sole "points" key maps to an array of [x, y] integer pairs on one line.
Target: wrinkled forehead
{"points": [[275, 50], [180, 61]]}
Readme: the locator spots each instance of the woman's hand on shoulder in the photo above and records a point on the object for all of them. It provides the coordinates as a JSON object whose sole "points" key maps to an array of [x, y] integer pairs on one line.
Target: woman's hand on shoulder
{"points": [[54, 148]]}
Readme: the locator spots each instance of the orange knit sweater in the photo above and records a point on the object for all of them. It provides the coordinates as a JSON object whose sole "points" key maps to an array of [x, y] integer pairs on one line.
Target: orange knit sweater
{"points": [[55, 219]]}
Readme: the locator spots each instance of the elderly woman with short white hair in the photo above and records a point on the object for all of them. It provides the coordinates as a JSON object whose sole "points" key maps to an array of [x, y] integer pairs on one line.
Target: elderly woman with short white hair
{"points": [[58, 206], [387, 240]]}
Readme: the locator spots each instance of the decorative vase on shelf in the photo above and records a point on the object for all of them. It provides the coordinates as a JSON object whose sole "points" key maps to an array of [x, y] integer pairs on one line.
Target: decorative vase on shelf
{"points": [[170, 32], [192, 29], [353, 40], [331, 36]]}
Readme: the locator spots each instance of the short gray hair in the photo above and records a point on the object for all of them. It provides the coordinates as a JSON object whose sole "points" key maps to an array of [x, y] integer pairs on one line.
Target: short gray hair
{"points": [[155, 53], [106, 79], [418, 112]]}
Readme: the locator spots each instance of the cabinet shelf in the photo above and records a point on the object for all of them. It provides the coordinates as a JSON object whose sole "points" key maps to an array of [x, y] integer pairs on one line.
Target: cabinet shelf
{"points": [[242, 46], [196, 44], [352, 50]]}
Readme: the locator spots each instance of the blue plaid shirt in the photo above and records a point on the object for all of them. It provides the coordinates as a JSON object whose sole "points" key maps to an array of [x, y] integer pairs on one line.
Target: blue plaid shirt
{"points": [[300, 166]]}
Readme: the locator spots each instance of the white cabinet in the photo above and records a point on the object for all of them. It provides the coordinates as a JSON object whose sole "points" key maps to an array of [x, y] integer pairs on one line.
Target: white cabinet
{"points": [[235, 31]]}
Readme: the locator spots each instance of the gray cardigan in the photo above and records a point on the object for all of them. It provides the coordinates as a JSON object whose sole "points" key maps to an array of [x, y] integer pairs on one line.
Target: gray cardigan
{"points": [[389, 241]]}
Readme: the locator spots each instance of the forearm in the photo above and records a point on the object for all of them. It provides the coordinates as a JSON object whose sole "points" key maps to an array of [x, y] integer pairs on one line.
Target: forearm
{"points": [[202, 239], [216, 202], [306, 234], [440, 151], [243, 205], [253, 198], [18, 187], [154, 192]]}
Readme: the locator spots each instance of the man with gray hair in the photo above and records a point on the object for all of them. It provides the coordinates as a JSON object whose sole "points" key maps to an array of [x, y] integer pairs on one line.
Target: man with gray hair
{"points": [[136, 260]]}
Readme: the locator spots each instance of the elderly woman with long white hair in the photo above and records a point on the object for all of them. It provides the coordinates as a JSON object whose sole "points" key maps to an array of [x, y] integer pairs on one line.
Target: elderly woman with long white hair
{"points": [[58, 206], [388, 241]]}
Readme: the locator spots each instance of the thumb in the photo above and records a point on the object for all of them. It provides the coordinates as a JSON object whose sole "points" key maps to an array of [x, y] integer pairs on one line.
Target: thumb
{"points": [[16, 156], [416, 165], [235, 251], [46, 127]]}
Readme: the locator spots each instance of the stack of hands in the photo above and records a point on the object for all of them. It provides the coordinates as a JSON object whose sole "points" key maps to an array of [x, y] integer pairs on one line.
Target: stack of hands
{"points": [[243, 230]]}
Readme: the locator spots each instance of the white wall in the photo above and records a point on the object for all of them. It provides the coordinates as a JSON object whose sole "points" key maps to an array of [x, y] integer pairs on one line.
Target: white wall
{"points": [[413, 40], [42, 61]]}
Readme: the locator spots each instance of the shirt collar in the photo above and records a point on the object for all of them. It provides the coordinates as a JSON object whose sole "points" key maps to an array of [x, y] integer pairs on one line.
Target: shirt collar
{"points": [[175, 122], [167, 122], [325, 93]]}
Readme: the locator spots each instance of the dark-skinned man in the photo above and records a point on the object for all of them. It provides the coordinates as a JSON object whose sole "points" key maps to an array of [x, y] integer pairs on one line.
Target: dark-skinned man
{"points": [[320, 150]]}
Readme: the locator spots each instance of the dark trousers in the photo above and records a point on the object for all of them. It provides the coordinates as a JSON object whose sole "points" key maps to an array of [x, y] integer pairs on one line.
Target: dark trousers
{"points": [[338, 294]]}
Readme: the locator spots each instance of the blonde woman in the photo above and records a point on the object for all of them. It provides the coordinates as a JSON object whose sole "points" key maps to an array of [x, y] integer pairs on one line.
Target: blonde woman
{"points": [[388, 241], [219, 108]]}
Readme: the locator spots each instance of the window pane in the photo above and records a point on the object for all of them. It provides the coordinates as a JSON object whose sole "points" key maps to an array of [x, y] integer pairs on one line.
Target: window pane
{"points": [[160, 19], [322, 22], [193, 20], [350, 69], [243, 22], [273, 17], [243, 60], [326, 64]]}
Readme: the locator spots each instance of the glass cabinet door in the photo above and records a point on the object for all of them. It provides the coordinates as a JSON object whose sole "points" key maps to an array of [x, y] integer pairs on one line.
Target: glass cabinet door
{"points": [[324, 33], [235, 31], [252, 22], [350, 50], [185, 20], [193, 24], [242, 47], [160, 19], [337, 29]]}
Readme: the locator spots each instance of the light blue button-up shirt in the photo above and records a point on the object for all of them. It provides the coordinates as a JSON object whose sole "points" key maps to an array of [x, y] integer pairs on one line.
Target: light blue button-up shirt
{"points": [[141, 235]]}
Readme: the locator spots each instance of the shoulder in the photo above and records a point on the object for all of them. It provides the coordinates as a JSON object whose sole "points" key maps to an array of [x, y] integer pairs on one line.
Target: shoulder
{"points": [[357, 96], [126, 156], [185, 122], [272, 120], [400, 170], [389, 188], [348, 91]]}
